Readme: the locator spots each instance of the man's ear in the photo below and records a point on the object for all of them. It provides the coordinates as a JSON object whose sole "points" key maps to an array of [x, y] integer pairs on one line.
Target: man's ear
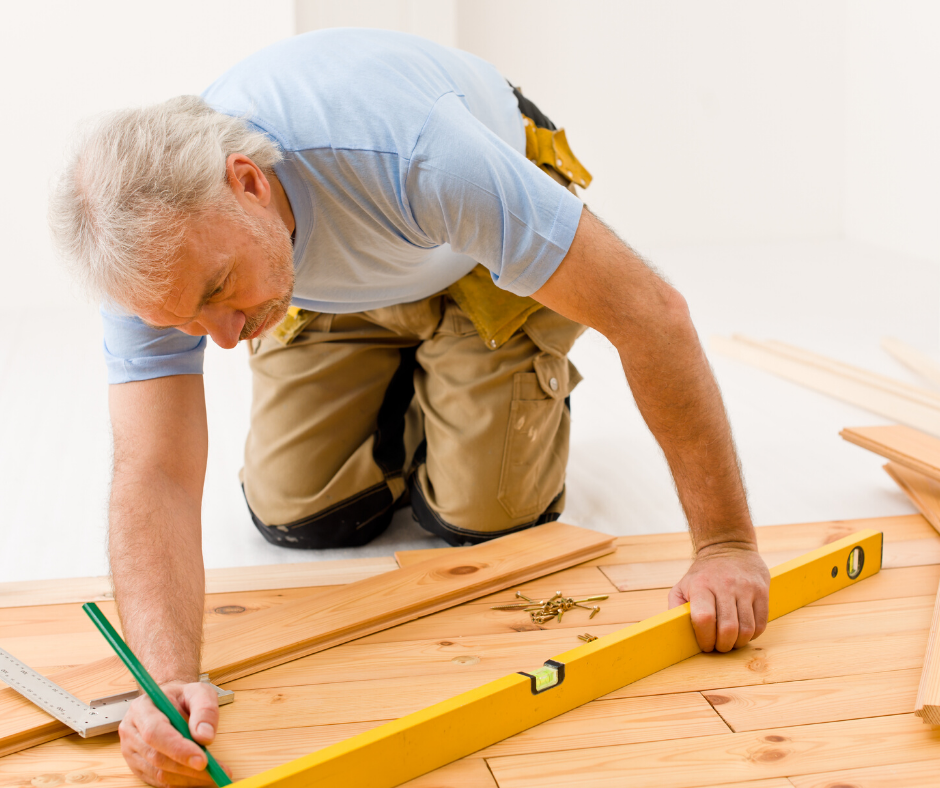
{"points": [[247, 181]]}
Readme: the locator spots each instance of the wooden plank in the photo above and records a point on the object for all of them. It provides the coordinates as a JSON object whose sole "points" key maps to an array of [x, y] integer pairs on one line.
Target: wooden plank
{"points": [[624, 721], [243, 578], [473, 620], [578, 581], [69, 620], [728, 758], [665, 574], [358, 661], [834, 383], [412, 557], [889, 584], [919, 774], [913, 359], [916, 393], [770, 538], [465, 773], [816, 700], [246, 645], [927, 702], [923, 491], [378, 698], [810, 643], [905, 446]]}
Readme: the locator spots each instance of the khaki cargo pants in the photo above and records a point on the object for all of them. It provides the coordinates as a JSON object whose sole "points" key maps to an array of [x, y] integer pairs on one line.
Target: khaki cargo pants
{"points": [[360, 409]]}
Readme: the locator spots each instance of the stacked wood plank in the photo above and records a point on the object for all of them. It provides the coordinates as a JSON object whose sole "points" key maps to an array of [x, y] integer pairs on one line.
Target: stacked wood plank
{"points": [[236, 648], [817, 701], [915, 466], [901, 402]]}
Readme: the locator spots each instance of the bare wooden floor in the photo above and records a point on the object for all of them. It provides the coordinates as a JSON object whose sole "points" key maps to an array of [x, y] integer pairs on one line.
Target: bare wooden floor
{"points": [[823, 699]]}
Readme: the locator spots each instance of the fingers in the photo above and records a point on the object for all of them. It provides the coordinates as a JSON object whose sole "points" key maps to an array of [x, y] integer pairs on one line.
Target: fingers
{"points": [[201, 701], [677, 596], [704, 618], [746, 625], [155, 751], [761, 612]]}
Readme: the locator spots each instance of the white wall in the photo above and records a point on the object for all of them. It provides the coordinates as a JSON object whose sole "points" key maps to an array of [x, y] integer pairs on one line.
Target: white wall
{"points": [[62, 61], [892, 148], [434, 19], [702, 122]]}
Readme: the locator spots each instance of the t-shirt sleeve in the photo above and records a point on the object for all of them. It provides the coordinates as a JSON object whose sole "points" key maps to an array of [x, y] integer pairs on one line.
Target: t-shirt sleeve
{"points": [[467, 187], [134, 351]]}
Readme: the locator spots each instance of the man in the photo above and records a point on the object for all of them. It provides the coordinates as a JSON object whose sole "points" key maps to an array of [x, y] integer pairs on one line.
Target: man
{"points": [[379, 183]]}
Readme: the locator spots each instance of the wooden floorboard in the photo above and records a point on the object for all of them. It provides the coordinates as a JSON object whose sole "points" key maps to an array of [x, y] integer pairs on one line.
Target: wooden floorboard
{"points": [[816, 700], [822, 699], [921, 774], [726, 758]]}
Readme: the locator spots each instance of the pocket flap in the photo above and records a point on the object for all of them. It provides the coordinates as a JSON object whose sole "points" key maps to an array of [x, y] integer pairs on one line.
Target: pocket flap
{"points": [[553, 374]]}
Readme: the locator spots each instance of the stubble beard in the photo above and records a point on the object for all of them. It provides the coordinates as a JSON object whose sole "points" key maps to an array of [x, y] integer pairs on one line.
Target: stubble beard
{"points": [[272, 236]]}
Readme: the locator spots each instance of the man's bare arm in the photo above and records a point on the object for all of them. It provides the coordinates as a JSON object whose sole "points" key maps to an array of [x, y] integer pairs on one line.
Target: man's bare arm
{"points": [[155, 546], [603, 284]]}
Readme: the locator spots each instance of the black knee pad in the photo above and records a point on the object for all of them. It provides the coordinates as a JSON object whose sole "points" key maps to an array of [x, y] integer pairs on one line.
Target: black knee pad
{"points": [[454, 535], [350, 523]]}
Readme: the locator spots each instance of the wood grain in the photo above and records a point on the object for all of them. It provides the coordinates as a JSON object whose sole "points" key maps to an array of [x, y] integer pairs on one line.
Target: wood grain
{"points": [[927, 702], [906, 446], [731, 757], [465, 773], [913, 359], [357, 661], [816, 700], [810, 643], [923, 491], [473, 620], [327, 618], [623, 721], [919, 774], [886, 397], [888, 584]]}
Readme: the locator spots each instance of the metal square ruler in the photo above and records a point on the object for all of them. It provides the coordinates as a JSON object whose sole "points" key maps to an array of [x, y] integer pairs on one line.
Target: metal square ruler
{"points": [[102, 715]]}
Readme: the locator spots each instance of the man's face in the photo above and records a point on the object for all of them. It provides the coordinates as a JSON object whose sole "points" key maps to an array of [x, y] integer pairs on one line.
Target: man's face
{"points": [[233, 279]]}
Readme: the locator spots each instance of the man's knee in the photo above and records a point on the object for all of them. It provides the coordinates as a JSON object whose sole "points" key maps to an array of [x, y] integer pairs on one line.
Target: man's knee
{"points": [[350, 523], [474, 523]]}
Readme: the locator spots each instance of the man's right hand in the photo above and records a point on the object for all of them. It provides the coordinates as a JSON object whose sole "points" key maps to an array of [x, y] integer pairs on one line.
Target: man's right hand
{"points": [[156, 752]]}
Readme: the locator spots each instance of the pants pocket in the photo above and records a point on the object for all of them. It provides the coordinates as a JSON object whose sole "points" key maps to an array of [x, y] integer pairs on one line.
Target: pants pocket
{"points": [[536, 447]]}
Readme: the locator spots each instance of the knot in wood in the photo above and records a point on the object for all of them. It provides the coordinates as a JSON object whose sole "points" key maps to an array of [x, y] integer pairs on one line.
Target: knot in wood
{"points": [[717, 700], [464, 570], [229, 610], [46, 780], [81, 778]]}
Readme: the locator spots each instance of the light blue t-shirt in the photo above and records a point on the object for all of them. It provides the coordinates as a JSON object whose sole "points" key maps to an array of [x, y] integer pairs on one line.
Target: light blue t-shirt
{"points": [[404, 166]]}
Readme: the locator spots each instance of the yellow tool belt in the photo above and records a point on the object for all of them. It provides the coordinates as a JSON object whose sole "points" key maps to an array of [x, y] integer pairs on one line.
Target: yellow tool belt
{"points": [[496, 314]]}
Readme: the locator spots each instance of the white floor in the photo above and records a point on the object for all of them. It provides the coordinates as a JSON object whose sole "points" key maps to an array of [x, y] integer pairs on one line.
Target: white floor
{"points": [[834, 298]]}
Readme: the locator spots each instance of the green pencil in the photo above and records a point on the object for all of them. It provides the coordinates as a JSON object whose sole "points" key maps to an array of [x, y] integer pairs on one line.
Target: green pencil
{"points": [[146, 682]]}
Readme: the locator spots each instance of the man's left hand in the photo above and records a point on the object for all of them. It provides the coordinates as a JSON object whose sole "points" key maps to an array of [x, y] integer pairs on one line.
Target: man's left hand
{"points": [[727, 587]]}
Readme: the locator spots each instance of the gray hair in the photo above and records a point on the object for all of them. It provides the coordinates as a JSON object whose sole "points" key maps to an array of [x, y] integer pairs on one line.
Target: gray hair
{"points": [[119, 210]]}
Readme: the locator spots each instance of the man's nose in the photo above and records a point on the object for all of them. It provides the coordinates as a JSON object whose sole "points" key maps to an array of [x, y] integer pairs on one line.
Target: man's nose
{"points": [[223, 325]]}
